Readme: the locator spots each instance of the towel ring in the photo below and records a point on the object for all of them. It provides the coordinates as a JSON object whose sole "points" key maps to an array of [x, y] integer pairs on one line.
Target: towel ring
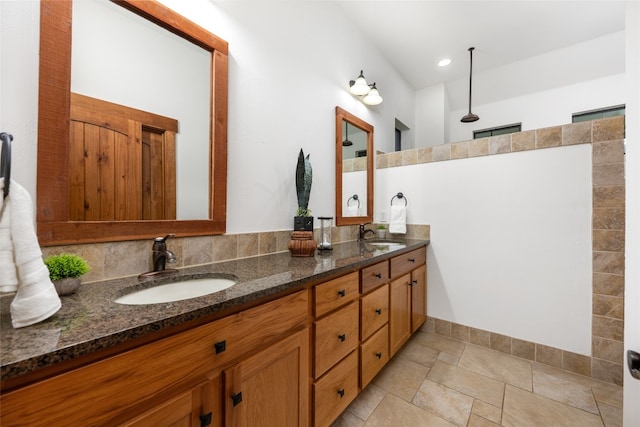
{"points": [[399, 196], [5, 162], [354, 197]]}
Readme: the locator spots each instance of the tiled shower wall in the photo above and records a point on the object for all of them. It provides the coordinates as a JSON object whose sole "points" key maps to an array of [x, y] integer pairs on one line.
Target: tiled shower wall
{"points": [[606, 137]]}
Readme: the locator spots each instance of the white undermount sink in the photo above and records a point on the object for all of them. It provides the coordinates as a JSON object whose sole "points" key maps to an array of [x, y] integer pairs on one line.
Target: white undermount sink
{"points": [[176, 291]]}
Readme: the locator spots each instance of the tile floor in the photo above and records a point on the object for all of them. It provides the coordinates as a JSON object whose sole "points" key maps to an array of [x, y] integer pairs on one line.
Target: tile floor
{"points": [[439, 381]]}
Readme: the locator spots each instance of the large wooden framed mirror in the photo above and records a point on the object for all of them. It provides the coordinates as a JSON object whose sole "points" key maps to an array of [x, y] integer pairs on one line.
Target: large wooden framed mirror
{"points": [[354, 169], [60, 219]]}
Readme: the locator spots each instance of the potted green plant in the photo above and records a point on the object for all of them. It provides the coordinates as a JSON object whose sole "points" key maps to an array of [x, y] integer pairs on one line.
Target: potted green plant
{"points": [[303, 221], [65, 271], [381, 229]]}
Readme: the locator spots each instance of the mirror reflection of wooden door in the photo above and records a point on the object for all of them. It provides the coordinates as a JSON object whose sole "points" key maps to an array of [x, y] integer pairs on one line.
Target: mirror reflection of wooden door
{"points": [[122, 163]]}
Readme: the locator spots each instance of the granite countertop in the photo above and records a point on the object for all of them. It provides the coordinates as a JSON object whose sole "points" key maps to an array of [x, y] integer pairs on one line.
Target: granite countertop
{"points": [[90, 320]]}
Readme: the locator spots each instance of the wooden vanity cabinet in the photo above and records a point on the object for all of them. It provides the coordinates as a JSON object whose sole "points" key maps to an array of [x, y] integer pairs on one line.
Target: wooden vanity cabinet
{"points": [[336, 338], [407, 296], [181, 375]]}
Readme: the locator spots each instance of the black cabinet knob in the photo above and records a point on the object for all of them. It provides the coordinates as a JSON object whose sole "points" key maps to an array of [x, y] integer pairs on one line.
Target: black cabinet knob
{"points": [[341, 392], [220, 346], [342, 337], [236, 398], [379, 355], [378, 311], [412, 260], [342, 292], [378, 275], [205, 419]]}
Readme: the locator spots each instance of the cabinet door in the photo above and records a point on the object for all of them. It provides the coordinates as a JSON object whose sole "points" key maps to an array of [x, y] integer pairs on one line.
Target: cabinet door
{"points": [[399, 312], [270, 388], [200, 406], [418, 297]]}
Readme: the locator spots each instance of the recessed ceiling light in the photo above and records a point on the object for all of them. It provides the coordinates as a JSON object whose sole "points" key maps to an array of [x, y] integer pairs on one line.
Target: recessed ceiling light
{"points": [[444, 62]]}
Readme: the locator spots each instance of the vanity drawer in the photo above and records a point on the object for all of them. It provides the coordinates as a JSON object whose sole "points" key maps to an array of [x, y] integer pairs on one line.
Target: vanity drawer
{"points": [[374, 276], [374, 311], [404, 263], [335, 293], [336, 336], [374, 354], [333, 393]]}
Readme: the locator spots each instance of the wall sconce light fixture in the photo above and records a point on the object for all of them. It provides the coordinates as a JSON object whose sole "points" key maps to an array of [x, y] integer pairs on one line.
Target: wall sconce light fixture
{"points": [[368, 92]]}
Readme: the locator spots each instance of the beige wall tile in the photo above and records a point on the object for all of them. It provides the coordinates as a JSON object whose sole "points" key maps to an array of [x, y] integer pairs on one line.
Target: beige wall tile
{"points": [[577, 363], [523, 141], [608, 218], [524, 349], [409, 157], [611, 350], [267, 242], [549, 355], [382, 161], [501, 343], [608, 262], [607, 371], [123, 258], [479, 147], [608, 240], [608, 284], [549, 137], [225, 247], [576, 133], [395, 159], [608, 174], [609, 196], [460, 332], [248, 245], [283, 237], [442, 327], [606, 327], [442, 152], [608, 129], [199, 250], [479, 337], [425, 154], [608, 306], [500, 144], [607, 152], [460, 150]]}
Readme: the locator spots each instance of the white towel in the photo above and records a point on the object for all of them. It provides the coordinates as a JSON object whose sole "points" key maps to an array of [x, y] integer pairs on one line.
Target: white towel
{"points": [[8, 277], [398, 220], [36, 298], [352, 210]]}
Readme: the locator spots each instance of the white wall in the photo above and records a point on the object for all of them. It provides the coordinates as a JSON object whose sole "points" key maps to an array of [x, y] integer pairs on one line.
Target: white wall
{"points": [[510, 244]]}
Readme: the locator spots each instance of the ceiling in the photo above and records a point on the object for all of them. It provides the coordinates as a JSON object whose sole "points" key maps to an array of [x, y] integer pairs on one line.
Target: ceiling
{"points": [[415, 35]]}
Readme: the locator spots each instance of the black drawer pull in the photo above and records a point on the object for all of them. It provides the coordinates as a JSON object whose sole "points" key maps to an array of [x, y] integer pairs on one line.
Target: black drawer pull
{"points": [[379, 355], [205, 419], [341, 392], [410, 283], [378, 311], [342, 292], [342, 337], [220, 346], [415, 282], [236, 398], [412, 260], [378, 275]]}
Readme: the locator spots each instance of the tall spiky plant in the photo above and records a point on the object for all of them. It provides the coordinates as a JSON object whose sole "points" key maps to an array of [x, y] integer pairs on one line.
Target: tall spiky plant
{"points": [[304, 176]]}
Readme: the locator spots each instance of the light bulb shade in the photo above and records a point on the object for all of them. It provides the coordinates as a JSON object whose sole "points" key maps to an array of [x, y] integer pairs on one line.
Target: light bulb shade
{"points": [[359, 86], [373, 97]]}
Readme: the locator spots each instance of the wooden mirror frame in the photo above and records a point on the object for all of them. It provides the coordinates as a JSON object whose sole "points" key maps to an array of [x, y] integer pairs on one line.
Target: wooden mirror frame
{"points": [[343, 115], [52, 214]]}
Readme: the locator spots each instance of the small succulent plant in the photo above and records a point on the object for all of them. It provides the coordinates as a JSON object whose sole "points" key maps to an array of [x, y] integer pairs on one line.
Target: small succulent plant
{"points": [[66, 265], [304, 177]]}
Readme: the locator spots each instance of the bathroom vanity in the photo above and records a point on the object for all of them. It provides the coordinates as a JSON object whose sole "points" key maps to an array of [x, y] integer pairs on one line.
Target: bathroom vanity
{"points": [[293, 341]]}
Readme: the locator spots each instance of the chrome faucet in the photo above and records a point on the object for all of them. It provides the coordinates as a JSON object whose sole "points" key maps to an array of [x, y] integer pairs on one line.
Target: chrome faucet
{"points": [[362, 232], [162, 255]]}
